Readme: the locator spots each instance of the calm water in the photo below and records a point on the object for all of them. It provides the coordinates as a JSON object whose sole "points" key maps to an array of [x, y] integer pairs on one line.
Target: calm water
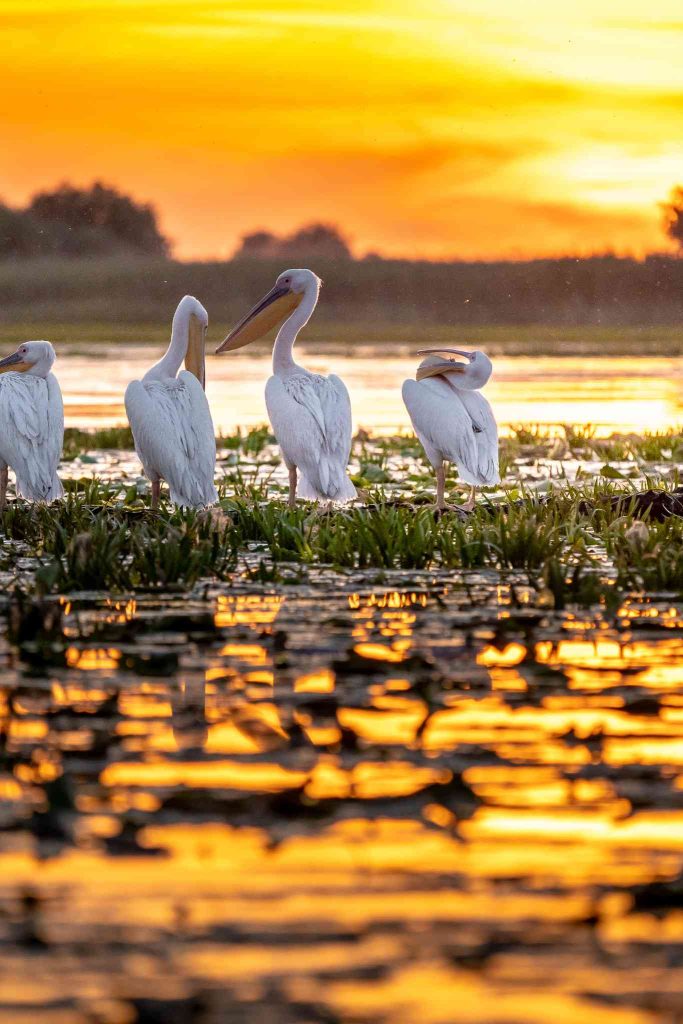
{"points": [[612, 394], [340, 804]]}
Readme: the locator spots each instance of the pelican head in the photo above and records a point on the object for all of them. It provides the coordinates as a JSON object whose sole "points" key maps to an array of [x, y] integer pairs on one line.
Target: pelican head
{"points": [[33, 357], [469, 376], [282, 299]]}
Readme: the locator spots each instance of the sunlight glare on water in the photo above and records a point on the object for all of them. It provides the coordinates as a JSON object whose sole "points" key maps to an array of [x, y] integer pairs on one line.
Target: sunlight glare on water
{"points": [[613, 394]]}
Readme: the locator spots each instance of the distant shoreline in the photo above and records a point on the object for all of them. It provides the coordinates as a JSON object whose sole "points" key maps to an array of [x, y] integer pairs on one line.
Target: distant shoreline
{"points": [[377, 339], [598, 305]]}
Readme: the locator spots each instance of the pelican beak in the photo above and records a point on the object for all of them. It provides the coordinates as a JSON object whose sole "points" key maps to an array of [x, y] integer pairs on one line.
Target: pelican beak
{"points": [[444, 365], [271, 310], [451, 351], [14, 363], [194, 357]]}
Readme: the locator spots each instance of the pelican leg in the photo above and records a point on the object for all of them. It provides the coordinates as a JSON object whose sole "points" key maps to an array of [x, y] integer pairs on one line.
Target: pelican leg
{"points": [[291, 500], [156, 488], [441, 505], [440, 488], [4, 474]]}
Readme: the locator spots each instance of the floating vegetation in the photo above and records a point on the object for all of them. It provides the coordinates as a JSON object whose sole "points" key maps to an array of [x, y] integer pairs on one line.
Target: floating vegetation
{"points": [[104, 535]]}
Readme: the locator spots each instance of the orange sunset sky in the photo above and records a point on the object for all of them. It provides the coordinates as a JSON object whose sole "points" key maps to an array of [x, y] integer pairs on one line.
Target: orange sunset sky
{"points": [[438, 128]]}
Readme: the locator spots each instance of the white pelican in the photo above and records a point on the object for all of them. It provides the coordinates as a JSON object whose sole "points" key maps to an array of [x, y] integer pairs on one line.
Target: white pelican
{"points": [[453, 420], [170, 417], [310, 414], [31, 422]]}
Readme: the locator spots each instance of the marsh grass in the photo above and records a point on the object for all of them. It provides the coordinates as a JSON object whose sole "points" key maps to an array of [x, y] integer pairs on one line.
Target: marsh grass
{"points": [[572, 540], [379, 537], [76, 441], [647, 556], [563, 544], [391, 536], [78, 545], [251, 442], [525, 537]]}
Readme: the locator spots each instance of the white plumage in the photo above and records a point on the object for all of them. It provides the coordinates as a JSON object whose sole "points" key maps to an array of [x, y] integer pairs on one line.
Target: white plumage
{"points": [[174, 438], [453, 420], [31, 422], [311, 419], [170, 417], [310, 413], [456, 427]]}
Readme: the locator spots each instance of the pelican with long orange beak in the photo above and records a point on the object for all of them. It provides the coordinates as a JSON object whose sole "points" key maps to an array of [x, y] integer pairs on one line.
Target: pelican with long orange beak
{"points": [[453, 420], [170, 416], [31, 423], [310, 414]]}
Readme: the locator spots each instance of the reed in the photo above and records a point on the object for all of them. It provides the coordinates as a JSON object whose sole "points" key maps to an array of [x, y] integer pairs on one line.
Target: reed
{"points": [[574, 542]]}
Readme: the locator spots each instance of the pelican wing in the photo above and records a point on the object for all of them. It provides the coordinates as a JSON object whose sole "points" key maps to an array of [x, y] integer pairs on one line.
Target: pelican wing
{"points": [[486, 435], [31, 433], [442, 424], [55, 441], [311, 418], [174, 437]]}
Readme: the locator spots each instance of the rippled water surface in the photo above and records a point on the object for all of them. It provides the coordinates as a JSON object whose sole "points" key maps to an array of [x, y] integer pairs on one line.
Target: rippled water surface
{"points": [[611, 393], [400, 800], [314, 797]]}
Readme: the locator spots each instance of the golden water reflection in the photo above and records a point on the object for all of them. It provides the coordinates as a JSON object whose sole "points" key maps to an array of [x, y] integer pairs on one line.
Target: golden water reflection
{"points": [[375, 805], [615, 394]]}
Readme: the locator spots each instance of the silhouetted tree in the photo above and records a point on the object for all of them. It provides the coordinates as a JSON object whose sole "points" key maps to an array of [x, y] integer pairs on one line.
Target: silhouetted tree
{"points": [[100, 217], [314, 241], [259, 244], [673, 216], [19, 233], [322, 240]]}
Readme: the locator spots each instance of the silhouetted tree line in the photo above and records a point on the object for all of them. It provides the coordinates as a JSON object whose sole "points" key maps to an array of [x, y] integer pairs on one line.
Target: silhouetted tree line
{"points": [[70, 221], [100, 220], [604, 289]]}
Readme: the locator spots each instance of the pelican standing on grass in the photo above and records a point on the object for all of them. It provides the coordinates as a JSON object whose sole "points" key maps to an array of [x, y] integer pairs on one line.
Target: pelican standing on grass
{"points": [[170, 418], [310, 414], [31, 423], [453, 420]]}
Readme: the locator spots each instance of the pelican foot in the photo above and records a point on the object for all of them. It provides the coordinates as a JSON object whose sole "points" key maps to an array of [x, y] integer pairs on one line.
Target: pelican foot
{"points": [[462, 510], [322, 509]]}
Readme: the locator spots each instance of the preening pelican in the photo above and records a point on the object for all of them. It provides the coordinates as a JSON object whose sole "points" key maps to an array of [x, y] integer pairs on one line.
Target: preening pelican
{"points": [[31, 422], [170, 417], [453, 420], [310, 414]]}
